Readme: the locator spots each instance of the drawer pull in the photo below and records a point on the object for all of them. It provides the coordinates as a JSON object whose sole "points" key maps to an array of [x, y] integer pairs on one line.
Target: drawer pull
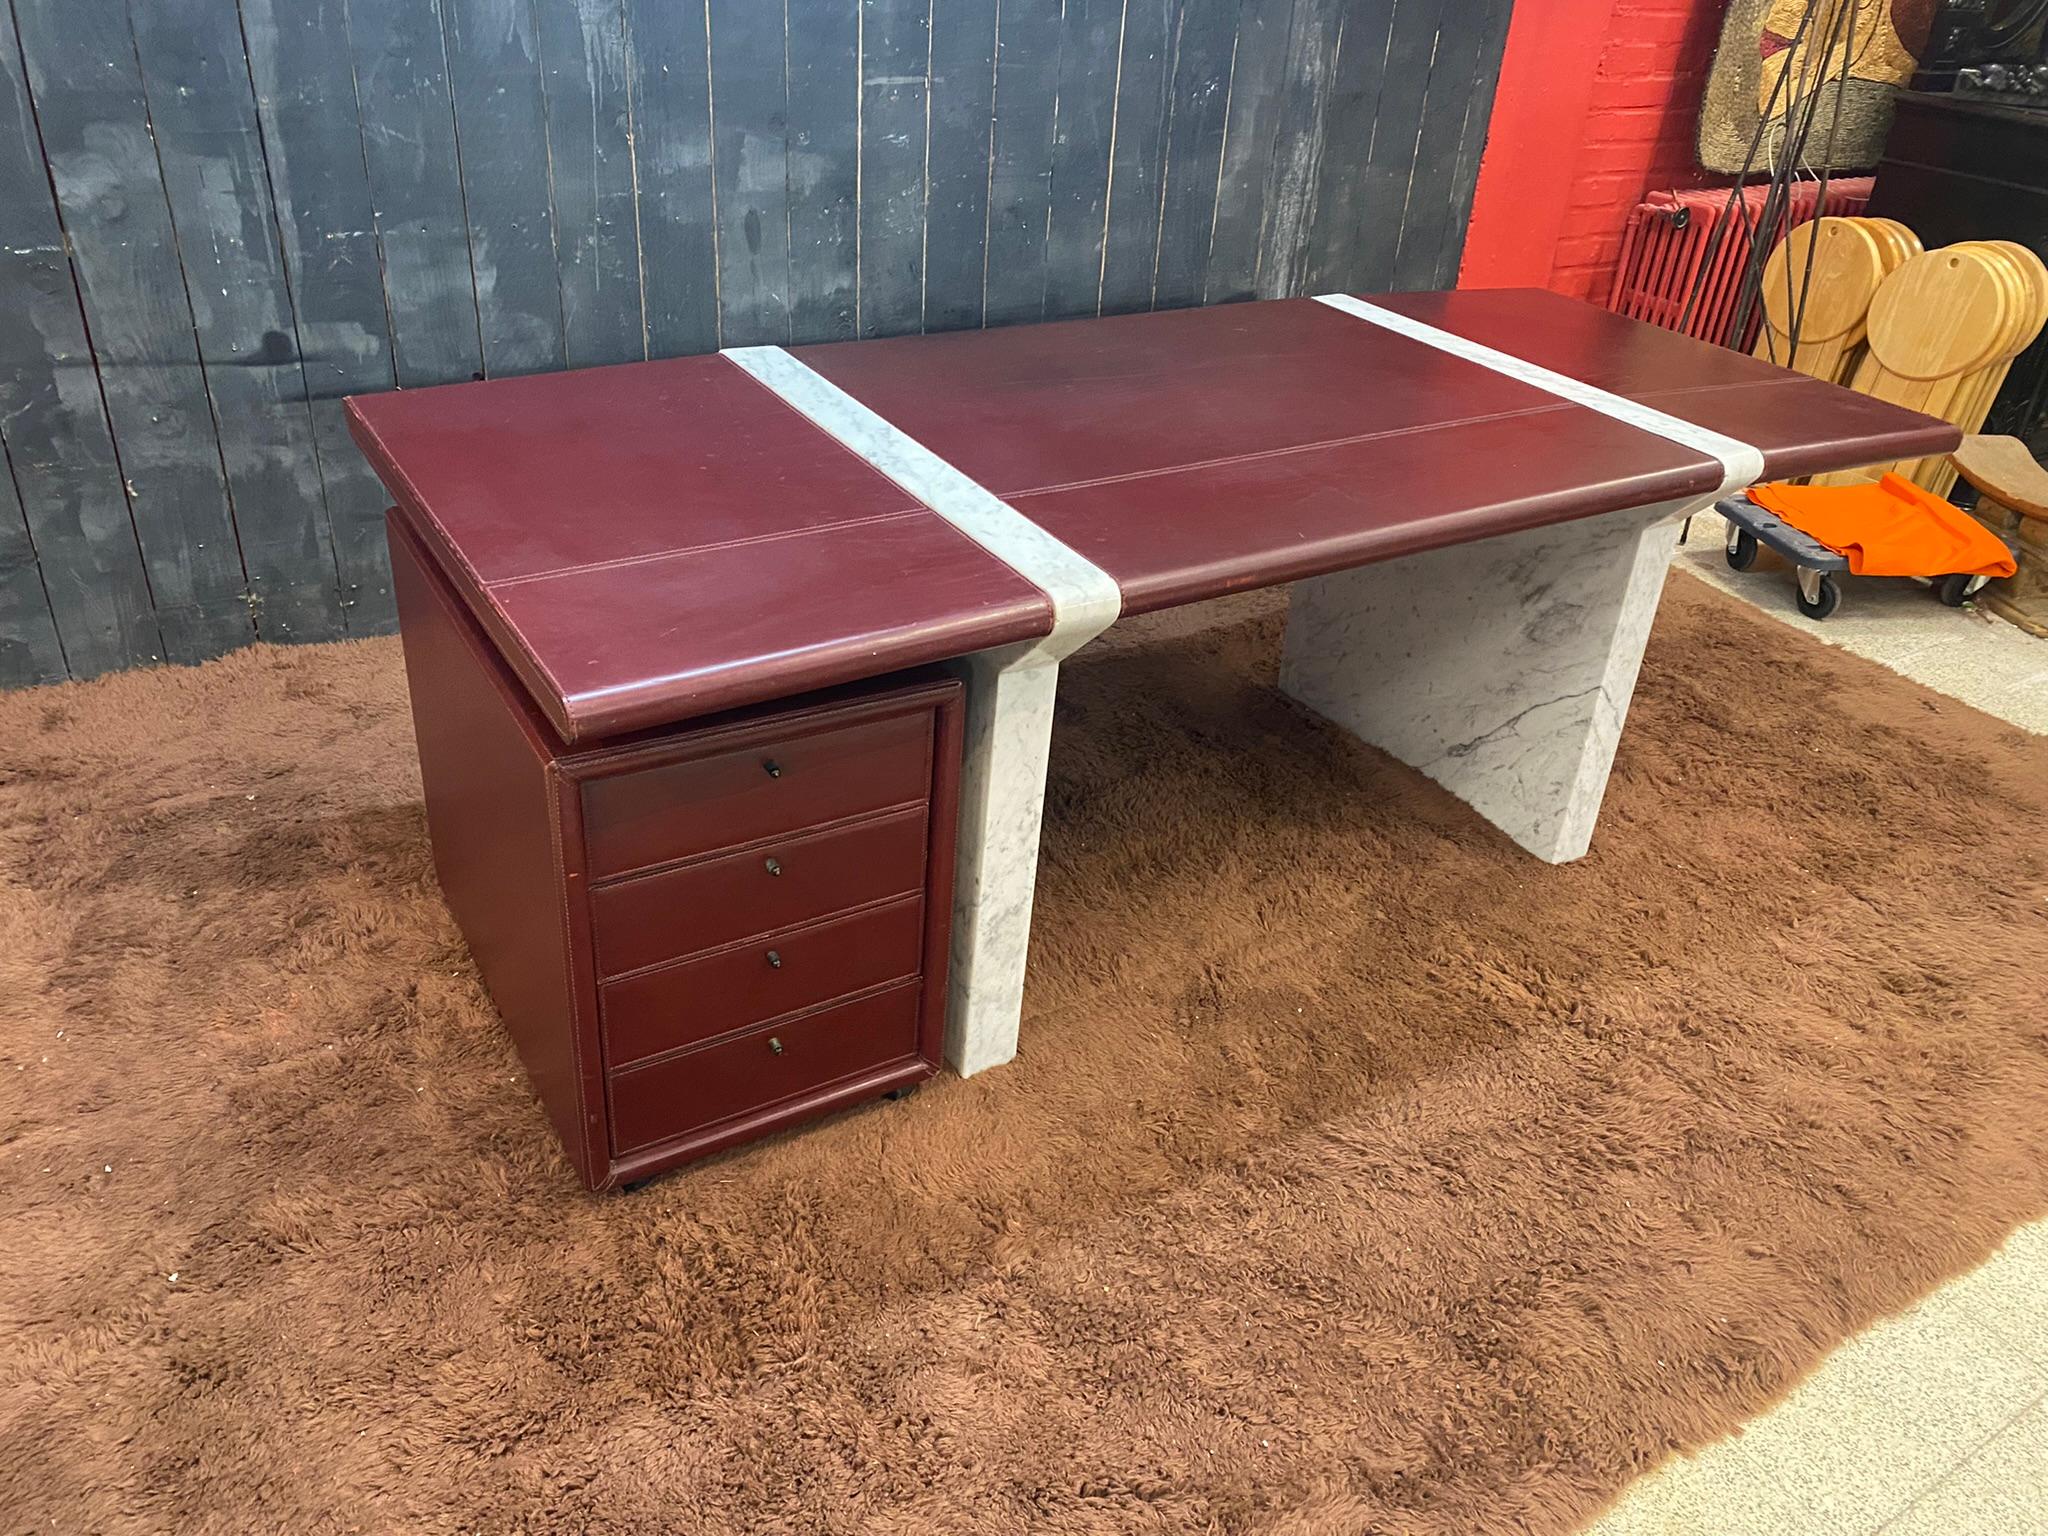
{"points": [[772, 768], [775, 1045], [773, 866], [775, 958]]}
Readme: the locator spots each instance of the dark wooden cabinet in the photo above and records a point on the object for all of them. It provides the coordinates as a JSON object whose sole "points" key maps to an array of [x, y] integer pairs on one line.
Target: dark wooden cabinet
{"points": [[1960, 169], [700, 935]]}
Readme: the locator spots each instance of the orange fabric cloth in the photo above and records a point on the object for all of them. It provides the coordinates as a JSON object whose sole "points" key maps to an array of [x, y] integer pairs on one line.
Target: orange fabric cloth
{"points": [[1892, 528]]}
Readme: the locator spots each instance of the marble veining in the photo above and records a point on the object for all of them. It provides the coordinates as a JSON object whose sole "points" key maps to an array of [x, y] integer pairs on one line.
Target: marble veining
{"points": [[1002, 802], [1501, 669], [1009, 707]]}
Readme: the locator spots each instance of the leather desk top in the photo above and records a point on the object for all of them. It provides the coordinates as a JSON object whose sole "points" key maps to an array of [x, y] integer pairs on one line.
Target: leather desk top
{"points": [[656, 541]]}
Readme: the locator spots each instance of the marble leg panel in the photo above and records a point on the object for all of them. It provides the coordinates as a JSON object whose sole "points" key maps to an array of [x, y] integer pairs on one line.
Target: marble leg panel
{"points": [[1002, 799], [1501, 669]]}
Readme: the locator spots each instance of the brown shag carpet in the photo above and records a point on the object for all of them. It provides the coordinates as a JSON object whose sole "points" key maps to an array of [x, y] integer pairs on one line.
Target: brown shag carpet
{"points": [[1359, 1174]]}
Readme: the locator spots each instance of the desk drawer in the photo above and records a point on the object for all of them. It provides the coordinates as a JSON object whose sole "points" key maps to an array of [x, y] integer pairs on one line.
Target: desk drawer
{"points": [[646, 919], [765, 1066], [773, 785], [762, 978]]}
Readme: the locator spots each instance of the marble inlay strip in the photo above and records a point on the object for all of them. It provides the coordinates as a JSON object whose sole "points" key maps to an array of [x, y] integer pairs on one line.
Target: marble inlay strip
{"points": [[1085, 598], [1742, 465]]}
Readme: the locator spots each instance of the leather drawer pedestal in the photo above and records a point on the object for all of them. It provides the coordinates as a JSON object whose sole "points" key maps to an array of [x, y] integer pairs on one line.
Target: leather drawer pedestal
{"points": [[695, 936]]}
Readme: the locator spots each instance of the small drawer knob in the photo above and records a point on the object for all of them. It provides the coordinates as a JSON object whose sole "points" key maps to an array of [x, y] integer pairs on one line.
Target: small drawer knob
{"points": [[771, 767], [775, 958], [773, 866], [775, 1044]]}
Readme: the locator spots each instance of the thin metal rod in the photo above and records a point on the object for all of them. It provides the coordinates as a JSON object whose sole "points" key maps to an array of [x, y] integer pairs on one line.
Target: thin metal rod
{"points": [[1799, 116], [1735, 202]]}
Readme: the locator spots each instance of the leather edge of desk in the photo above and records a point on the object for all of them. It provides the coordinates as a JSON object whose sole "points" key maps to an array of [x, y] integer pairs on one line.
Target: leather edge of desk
{"points": [[1916, 435], [658, 703], [1200, 584]]}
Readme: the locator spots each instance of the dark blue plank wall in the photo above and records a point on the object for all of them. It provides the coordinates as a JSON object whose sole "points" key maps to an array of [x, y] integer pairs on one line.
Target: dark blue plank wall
{"points": [[218, 217]]}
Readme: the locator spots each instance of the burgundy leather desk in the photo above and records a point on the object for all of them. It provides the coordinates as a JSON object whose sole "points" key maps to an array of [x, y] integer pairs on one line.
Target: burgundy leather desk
{"points": [[1476, 495]]}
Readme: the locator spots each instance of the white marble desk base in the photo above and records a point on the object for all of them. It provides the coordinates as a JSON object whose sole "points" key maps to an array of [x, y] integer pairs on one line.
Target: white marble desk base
{"points": [[1002, 800], [1502, 669]]}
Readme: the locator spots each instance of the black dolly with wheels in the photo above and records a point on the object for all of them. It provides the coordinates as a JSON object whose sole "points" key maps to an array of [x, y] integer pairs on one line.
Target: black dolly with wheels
{"points": [[1817, 566]]}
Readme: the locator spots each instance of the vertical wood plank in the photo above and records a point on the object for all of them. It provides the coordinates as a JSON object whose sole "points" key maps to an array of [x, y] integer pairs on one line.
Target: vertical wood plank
{"points": [[583, 59], [1464, 176], [1341, 202], [749, 157], [420, 190], [956, 201], [1426, 210], [1138, 160], [824, 171], [1020, 176], [409, 145], [670, 68], [1091, 34], [52, 425], [895, 57], [30, 651], [1390, 167], [81, 68], [1249, 132], [1314, 44], [494, 73], [1204, 68], [300, 59], [202, 114]]}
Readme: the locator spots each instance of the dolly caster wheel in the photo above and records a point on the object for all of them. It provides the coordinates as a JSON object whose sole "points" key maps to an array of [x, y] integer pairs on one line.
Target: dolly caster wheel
{"points": [[896, 1094], [1955, 589], [1741, 549], [634, 1187], [1819, 595]]}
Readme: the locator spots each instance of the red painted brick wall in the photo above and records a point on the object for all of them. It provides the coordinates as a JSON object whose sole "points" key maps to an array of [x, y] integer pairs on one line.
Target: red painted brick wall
{"points": [[1598, 104], [1640, 126]]}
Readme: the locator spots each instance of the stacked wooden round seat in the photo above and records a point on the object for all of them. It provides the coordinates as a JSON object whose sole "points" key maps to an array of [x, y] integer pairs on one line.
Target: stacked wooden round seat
{"points": [[1818, 286], [1974, 398], [1939, 336]]}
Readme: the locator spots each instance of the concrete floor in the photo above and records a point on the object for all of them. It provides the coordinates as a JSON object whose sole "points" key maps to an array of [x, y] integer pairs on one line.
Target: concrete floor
{"points": [[1934, 1422], [1963, 652]]}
